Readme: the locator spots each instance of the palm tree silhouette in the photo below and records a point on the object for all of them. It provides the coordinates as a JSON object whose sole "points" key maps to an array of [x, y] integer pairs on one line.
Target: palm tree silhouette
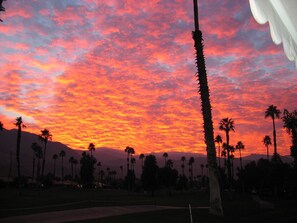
{"points": [[141, 157], [274, 113], [165, 155], [71, 161], [91, 148], [202, 167], [62, 154], [227, 125], [191, 162], [35, 147], [267, 143], [240, 146], [1, 126], [75, 162], [99, 166], [219, 141], [129, 150], [183, 159], [39, 155], [215, 194], [290, 124], [169, 163], [121, 168], [44, 137], [55, 157], [19, 123], [133, 161]]}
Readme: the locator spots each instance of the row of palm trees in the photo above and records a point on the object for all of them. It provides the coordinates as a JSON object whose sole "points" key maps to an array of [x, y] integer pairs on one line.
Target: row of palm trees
{"points": [[289, 123], [224, 149]]}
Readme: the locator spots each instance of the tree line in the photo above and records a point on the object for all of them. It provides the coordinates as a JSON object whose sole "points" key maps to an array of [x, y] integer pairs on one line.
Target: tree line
{"points": [[153, 176]]}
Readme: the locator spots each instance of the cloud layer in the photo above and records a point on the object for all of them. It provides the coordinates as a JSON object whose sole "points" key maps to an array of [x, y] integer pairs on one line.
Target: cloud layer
{"points": [[121, 73]]}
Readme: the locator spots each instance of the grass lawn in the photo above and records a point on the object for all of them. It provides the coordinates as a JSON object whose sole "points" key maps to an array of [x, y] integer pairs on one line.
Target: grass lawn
{"points": [[62, 198], [237, 207]]}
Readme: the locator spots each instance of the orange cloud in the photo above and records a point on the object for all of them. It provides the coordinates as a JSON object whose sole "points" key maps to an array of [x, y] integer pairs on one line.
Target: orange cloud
{"points": [[123, 73]]}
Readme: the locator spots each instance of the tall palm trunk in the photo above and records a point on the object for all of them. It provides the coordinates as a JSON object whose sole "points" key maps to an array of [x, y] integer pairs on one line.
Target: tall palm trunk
{"points": [[128, 164], [267, 152], [72, 170], [54, 168], [43, 161], [219, 155], [62, 171], [215, 195], [38, 167], [274, 136], [229, 169], [240, 159], [19, 135], [33, 168]]}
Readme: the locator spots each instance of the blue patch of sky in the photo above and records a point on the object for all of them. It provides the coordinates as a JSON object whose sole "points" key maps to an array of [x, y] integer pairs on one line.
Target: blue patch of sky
{"points": [[13, 114]]}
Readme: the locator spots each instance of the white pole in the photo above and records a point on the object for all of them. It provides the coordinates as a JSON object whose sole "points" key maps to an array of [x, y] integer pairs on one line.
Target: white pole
{"points": [[190, 213]]}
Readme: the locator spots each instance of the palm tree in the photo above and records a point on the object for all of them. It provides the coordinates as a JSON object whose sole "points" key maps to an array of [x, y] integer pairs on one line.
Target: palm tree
{"points": [[62, 154], [35, 147], [165, 155], [19, 123], [191, 162], [39, 155], [1, 126], [71, 161], [290, 123], [121, 168], [169, 163], [267, 143], [240, 146], [130, 151], [75, 162], [133, 161], [91, 148], [55, 157], [183, 159], [202, 167], [215, 194], [227, 125], [44, 137], [219, 141], [141, 157], [127, 150], [274, 113]]}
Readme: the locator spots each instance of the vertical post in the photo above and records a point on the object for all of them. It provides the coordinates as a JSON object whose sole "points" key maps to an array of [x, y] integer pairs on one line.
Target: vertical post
{"points": [[191, 218]]}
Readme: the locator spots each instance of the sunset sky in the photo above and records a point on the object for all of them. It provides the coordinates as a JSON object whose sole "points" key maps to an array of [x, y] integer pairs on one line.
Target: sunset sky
{"points": [[122, 72]]}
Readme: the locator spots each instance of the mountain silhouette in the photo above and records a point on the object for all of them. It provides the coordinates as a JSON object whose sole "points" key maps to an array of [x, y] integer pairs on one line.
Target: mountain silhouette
{"points": [[108, 157]]}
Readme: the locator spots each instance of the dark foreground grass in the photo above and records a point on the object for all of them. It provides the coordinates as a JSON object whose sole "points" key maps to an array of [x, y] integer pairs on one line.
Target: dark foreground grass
{"points": [[61, 198], [237, 207], [242, 211], [170, 216]]}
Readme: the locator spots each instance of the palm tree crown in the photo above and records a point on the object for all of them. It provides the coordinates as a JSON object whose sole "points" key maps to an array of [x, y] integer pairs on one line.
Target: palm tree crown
{"points": [[44, 137], [165, 155], [267, 143], [290, 122], [219, 141], [91, 148], [227, 125], [274, 113]]}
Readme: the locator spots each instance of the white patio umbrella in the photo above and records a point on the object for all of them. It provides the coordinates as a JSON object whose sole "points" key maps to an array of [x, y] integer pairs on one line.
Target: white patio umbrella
{"points": [[282, 18]]}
